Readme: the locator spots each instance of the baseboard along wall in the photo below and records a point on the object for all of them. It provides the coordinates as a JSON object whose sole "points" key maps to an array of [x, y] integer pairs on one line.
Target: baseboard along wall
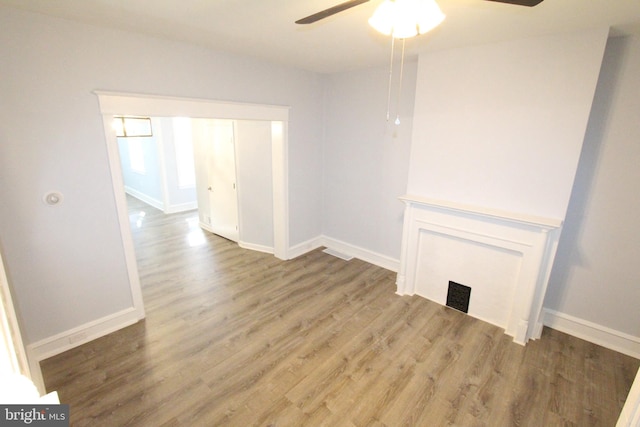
{"points": [[592, 332], [346, 249], [77, 336]]}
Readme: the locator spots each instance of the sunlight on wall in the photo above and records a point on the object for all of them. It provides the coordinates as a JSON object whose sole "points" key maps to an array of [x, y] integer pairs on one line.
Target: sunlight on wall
{"points": [[183, 142]]}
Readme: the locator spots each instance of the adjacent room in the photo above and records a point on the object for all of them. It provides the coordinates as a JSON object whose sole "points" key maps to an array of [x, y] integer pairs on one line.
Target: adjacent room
{"points": [[430, 223]]}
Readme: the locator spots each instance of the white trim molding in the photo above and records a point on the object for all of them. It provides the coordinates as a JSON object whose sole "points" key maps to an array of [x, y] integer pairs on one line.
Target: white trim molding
{"points": [[243, 244], [345, 248], [304, 247], [507, 256], [255, 247], [171, 106], [181, 207], [630, 415], [592, 332], [77, 336], [363, 254], [158, 204]]}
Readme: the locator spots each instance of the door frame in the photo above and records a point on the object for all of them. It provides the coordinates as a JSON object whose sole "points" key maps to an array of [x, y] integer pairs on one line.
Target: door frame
{"points": [[13, 355], [115, 103]]}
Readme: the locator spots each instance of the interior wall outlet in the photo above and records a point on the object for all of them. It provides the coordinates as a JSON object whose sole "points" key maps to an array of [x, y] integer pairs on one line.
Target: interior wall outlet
{"points": [[52, 198]]}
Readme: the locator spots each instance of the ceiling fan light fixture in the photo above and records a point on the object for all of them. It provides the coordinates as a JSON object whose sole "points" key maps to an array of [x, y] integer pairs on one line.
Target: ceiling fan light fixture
{"points": [[406, 18]]}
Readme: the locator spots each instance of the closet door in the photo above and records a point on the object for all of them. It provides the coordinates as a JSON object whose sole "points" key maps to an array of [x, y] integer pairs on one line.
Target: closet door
{"points": [[223, 195]]}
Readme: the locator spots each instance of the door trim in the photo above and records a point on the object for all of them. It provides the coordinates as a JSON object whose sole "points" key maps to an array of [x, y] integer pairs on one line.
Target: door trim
{"points": [[114, 103]]}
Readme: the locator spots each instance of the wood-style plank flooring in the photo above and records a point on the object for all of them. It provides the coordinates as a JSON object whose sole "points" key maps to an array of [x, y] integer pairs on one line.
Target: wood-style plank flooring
{"points": [[239, 338]]}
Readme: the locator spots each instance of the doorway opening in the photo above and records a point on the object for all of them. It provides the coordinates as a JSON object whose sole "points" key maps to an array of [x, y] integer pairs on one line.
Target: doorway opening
{"points": [[222, 168], [113, 104]]}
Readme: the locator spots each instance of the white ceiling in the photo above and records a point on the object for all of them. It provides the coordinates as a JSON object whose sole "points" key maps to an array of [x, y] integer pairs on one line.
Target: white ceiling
{"points": [[266, 28]]}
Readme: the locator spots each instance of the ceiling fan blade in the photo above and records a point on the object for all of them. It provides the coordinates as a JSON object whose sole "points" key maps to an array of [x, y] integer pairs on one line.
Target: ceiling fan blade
{"points": [[331, 11], [529, 3]]}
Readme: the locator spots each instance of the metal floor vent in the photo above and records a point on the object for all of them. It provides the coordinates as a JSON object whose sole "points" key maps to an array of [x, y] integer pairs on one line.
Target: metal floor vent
{"points": [[458, 296], [338, 254]]}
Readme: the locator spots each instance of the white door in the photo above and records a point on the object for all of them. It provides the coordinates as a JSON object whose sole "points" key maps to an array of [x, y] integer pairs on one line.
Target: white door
{"points": [[223, 197]]}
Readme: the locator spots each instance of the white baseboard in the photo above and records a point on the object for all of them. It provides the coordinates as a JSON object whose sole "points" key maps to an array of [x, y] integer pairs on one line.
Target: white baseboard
{"points": [[144, 197], [344, 248], [597, 334], [77, 336], [304, 247], [254, 247], [338, 254], [182, 207], [205, 227], [158, 204], [362, 254]]}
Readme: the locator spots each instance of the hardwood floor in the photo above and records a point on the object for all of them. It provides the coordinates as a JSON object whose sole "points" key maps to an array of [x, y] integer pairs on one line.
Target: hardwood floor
{"points": [[240, 338]]}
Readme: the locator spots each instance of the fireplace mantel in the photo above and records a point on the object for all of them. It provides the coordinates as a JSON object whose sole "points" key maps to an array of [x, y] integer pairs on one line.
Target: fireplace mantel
{"points": [[504, 257]]}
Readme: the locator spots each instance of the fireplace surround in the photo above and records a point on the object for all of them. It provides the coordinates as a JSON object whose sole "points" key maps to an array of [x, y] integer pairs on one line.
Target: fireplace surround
{"points": [[504, 257]]}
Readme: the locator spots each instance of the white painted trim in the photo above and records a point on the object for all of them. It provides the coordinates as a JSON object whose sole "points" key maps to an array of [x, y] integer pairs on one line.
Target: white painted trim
{"points": [[181, 207], [238, 192], [592, 332], [530, 220], [363, 254], [67, 340], [304, 247], [115, 166], [144, 198], [14, 357], [254, 247], [280, 184], [205, 226], [112, 103], [345, 248], [244, 245], [337, 254], [630, 415], [536, 320]]}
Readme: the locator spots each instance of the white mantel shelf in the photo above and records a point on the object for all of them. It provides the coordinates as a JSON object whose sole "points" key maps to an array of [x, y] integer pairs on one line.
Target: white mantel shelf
{"points": [[504, 257], [524, 219]]}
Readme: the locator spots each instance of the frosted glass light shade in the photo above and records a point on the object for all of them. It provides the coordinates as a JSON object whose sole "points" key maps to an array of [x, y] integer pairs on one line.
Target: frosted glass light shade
{"points": [[406, 18]]}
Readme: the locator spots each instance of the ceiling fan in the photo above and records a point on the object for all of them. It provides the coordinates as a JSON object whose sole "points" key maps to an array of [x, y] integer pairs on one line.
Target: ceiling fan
{"points": [[352, 3]]}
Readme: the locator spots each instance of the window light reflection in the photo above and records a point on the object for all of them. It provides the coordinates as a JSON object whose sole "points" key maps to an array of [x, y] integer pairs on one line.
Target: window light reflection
{"points": [[137, 218], [195, 237]]}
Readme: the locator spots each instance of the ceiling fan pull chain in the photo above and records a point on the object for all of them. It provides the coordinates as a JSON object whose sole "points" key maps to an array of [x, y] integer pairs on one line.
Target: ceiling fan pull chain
{"points": [[397, 122], [390, 75]]}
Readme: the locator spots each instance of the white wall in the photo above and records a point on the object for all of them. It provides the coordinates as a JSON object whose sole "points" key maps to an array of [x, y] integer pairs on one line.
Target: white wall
{"points": [[66, 263], [596, 276], [176, 198], [501, 125], [255, 183], [147, 185], [158, 185], [366, 158]]}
